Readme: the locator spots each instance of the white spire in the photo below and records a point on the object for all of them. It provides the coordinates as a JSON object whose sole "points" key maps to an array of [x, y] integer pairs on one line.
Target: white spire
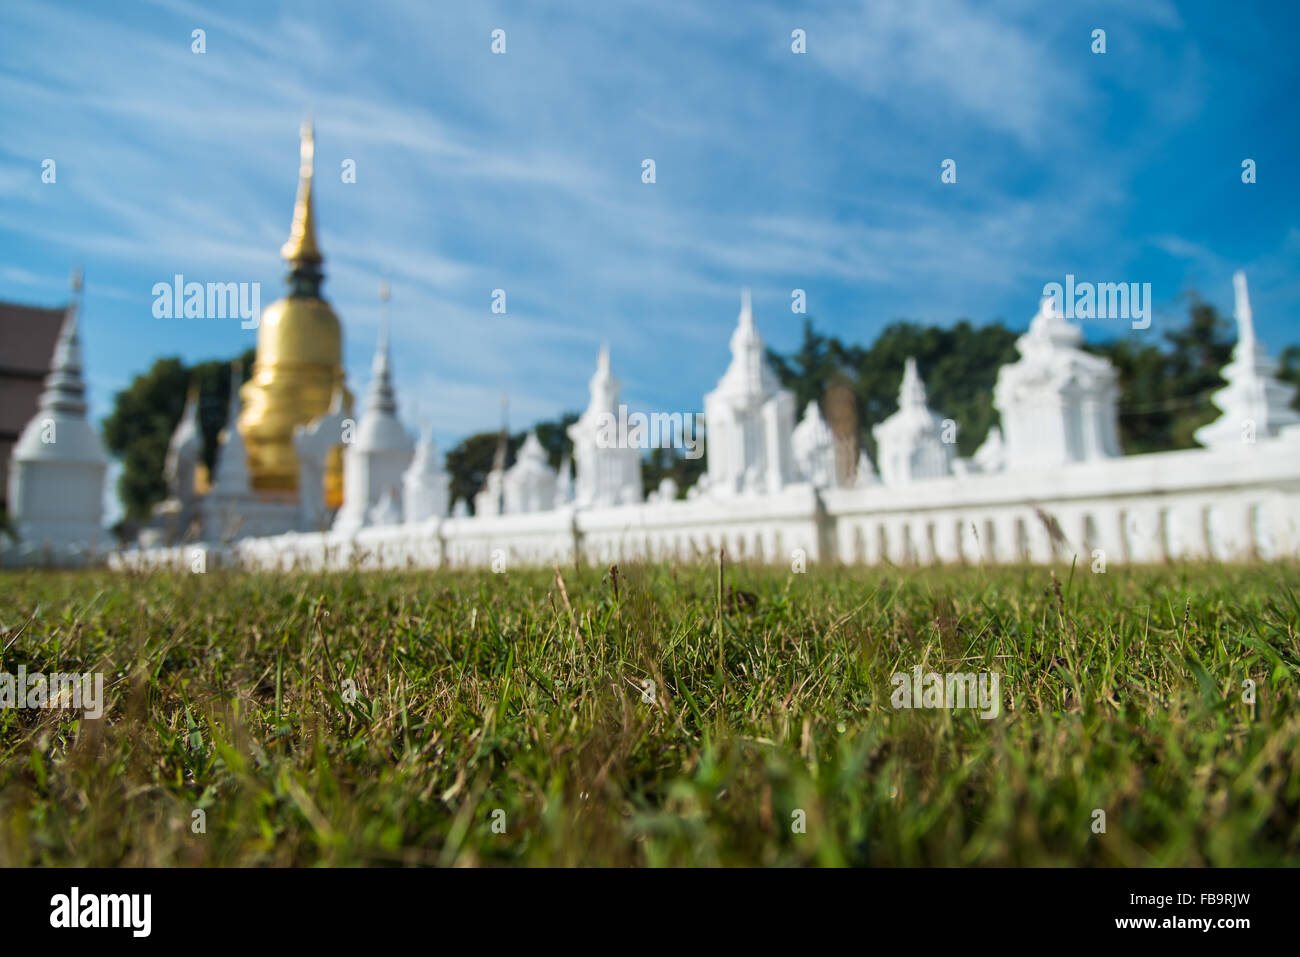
{"points": [[910, 442], [531, 451], [336, 401], [183, 450], [748, 375], [1255, 403], [56, 473], [603, 387], [375, 462], [380, 429], [380, 397], [1049, 329], [232, 459], [991, 456], [608, 469], [564, 490], [65, 392], [529, 484], [911, 393], [425, 460], [1245, 317], [750, 418], [813, 445], [425, 483], [62, 403]]}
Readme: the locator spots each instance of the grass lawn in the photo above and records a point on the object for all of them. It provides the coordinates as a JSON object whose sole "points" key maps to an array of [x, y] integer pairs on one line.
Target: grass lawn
{"points": [[466, 718]]}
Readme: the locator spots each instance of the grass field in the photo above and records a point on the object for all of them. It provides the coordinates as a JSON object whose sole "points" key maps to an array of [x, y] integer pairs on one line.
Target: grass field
{"points": [[502, 720]]}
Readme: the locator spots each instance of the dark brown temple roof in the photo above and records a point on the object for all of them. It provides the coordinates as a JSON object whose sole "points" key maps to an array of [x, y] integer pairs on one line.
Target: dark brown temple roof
{"points": [[27, 337]]}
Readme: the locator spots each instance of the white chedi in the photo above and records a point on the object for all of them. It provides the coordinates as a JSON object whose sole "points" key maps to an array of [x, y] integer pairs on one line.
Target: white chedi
{"points": [[565, 491], [226, 509], [750, 419], [426, 484], [813, 446], [608, 467], [490, 499], [56, 473], [865, 474], [380, 452], [183, 453], [991, 456], [666, 492], [910, 443], [171, 519], [386, 511], [1255, 404], [1057, 403], [529, 484], [314, 443], [231, 477]]}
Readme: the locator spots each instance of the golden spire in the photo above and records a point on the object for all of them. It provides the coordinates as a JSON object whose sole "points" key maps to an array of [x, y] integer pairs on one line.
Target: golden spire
{"points": [[301, 247]]}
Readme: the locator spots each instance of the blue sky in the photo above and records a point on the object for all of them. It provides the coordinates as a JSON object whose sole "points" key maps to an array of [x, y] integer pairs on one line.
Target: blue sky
{"points": [[522, 171]]}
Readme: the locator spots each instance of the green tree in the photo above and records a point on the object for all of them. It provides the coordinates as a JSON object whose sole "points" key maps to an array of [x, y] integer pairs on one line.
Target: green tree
{"points": [[554, 436], [1166, 387], [470, 460], [807, 371], [663, 463], [1288, 370], [959, 365], [146, 413]]}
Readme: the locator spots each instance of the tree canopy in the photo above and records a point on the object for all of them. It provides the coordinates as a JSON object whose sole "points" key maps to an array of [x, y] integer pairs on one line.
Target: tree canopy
{"points": [[1165, 384], [470, 460], [959, 365], [146, 413]]}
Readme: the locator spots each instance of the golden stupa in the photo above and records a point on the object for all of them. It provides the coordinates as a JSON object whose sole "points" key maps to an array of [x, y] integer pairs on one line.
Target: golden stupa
{"points": [[299, 360]]}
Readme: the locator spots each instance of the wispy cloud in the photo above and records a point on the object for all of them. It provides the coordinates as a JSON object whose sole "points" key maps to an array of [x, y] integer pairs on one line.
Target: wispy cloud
{"points": [[523, 172]]}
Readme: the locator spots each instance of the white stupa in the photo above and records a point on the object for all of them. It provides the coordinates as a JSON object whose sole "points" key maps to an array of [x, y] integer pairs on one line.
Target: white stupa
{"points": [[991, 456], [750, 418], [171, 518], [1255, 404], [227, 509], [666, 492], [314, 443], [386, 511], [231, 478], [813, 446], [865, 474], [56, 474], [910, 442], [1057, 403], [426, 484], [381, 450], [565, 490], [609, 472], [183, 452], [529, 484], [490, 499]]}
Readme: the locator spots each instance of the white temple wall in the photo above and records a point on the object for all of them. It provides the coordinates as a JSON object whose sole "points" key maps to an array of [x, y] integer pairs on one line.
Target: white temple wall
{"points": [[223, 519], [752, 528], [1194, 504], [1228, 504]]}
